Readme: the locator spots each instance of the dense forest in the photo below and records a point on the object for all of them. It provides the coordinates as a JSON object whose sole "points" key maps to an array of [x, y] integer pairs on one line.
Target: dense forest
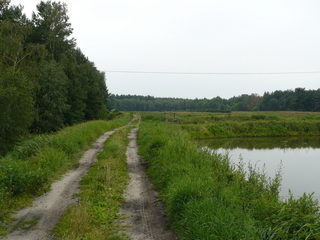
{"points": [[289, 100], [46, 82]]}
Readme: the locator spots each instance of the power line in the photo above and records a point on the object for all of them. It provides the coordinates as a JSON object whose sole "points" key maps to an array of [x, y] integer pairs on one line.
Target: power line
{"points": [[216, 73]]}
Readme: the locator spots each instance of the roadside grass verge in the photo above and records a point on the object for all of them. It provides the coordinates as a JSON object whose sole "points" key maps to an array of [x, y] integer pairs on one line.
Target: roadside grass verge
{"points": [[207, 197], [93, 217], [31, 167]]}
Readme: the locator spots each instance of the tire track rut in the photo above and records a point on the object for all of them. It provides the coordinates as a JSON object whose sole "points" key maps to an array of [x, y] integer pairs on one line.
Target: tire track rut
{"points": [[145, 215], [36, 222]]}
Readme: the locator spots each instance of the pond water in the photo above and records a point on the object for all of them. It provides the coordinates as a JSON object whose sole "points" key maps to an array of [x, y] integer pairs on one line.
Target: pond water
{"points": [[299, 159]]}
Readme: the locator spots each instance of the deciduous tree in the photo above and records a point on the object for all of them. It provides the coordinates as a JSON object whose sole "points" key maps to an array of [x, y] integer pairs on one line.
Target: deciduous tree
{"points": [[52, 28], [16, 104], [51, 98]]}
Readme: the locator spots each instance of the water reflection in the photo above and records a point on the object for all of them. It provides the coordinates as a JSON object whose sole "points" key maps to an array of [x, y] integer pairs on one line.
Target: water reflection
{"points": [[262, 143], [300, 158]]}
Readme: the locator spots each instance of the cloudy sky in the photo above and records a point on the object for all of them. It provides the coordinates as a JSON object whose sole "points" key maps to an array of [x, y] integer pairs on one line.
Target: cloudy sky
{"points": [[199, 48]]}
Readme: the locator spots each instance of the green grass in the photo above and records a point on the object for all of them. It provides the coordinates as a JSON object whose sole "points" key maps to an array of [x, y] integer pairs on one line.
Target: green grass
{"points": [[207, 197], [245, 124], [207, 118], [95, 216], [31, 167], [255, 128]]}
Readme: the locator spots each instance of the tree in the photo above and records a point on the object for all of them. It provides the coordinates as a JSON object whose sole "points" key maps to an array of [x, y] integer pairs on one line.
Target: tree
{"points": [[76, 87], [52, 28], [4, 4], [301, 100], [12, 13], [240, 106], [317, 100], [254, 102], [274, 105], [45, 82], [13, 49], [51, 98], [16, 104]]}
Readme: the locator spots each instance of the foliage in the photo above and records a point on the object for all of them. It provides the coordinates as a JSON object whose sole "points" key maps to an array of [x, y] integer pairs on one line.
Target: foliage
{"points": [[33, 165], [298, 100], [51, 98], [17, 106], [45, 81], [52, 28], [207, 197]]}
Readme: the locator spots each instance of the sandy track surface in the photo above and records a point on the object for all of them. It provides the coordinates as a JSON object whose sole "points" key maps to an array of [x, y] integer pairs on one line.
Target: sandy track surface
{"points": [[145, 214], [47, 209]]}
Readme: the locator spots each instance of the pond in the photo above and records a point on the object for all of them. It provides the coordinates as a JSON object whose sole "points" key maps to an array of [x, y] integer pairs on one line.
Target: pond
{"points": [[299, 159]]}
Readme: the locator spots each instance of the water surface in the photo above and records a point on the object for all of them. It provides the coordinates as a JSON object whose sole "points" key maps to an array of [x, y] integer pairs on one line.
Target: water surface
{"points": [[299, 157]]}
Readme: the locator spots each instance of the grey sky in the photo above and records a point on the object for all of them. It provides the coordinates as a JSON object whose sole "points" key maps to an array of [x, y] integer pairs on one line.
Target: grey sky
{"points": [[199, 36]]}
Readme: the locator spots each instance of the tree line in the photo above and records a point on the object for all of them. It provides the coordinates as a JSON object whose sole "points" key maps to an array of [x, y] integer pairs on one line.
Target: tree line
{"points": [[299, 99], [46, 82]]}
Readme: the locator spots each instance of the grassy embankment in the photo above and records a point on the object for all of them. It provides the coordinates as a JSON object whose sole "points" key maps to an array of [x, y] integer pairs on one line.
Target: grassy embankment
{"points": [[101, 195], [250, 124], [30, 169], [209, 198]]}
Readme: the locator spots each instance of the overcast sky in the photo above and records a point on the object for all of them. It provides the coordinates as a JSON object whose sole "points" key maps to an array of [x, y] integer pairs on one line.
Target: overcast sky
{"points": [[198, 36]]}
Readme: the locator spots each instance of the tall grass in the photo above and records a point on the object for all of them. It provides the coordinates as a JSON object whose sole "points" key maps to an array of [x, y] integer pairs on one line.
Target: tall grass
{"points": [[209, 198], [100, 197], [30, 169]]}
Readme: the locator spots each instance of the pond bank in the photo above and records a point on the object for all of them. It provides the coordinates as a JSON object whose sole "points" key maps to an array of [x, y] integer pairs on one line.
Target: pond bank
{"points": [[207, 198]]}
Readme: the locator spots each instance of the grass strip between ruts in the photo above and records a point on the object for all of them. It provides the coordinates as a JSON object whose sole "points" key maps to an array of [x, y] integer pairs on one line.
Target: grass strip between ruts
{"points": [[95, 215]]}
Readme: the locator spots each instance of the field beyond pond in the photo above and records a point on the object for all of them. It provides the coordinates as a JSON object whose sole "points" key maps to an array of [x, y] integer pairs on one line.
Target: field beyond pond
{"points": [[248, 124], [206, 196]]}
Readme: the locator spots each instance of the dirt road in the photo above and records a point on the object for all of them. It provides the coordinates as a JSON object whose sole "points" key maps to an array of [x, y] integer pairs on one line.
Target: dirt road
{"points": [[145, 214], [36, 222]]}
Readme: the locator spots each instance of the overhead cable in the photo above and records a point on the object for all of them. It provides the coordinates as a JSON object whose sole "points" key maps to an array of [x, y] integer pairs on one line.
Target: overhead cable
{"points": [[215, 73]]}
